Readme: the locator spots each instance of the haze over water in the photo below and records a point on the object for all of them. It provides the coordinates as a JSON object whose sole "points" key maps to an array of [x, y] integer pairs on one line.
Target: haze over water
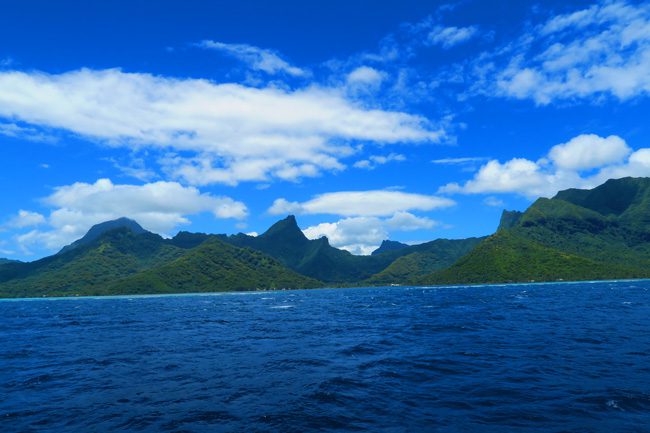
{"points": [[552, 357]]}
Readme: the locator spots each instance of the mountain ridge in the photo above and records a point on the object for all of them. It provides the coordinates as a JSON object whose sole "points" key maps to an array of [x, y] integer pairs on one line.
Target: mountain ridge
{"points": [[601, 233]]}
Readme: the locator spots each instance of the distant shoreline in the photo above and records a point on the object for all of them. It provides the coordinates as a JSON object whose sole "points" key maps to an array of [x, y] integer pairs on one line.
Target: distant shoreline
{"points": [[259, 292]]}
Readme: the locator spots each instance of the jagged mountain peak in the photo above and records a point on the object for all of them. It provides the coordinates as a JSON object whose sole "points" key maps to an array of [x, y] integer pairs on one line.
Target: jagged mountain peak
{"points": [[286, 228]]}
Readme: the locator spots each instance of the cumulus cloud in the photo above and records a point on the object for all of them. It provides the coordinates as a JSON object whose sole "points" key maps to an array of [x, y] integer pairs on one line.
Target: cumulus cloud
{"points": [[258, 59], [405, 221], [160, 207], [601, 50], [376, 160], [448, 37], [361, 203], [589, 151], [362, 235], [583, 162], [226, 133]]}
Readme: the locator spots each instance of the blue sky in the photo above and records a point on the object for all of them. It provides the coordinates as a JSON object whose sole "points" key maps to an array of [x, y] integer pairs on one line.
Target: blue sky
{"points": [[406, 120]]}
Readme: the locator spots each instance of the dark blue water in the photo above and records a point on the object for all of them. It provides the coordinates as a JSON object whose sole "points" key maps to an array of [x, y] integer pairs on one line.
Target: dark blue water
{"points": [[543, 358]]}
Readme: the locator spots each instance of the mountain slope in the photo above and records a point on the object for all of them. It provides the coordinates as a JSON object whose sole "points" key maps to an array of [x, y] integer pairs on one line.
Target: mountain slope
{"points": [[507, 258], [121, 261], [214, 266], [578, 234], [416, 261], [87, 268], [610, 223]]}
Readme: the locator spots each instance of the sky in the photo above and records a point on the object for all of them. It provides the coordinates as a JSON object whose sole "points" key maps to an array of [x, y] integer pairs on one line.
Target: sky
{"points": [[403, 120]]}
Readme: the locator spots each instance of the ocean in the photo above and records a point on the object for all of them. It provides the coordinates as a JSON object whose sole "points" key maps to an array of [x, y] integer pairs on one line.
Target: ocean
{"points": [[568, 357]]}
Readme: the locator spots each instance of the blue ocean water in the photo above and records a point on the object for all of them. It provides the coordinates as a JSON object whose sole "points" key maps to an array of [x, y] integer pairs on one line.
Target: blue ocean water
{"points": [[543, 358]]}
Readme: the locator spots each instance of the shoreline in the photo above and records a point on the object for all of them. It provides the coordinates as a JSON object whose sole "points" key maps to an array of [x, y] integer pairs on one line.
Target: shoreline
{"points": [[259, 292]]}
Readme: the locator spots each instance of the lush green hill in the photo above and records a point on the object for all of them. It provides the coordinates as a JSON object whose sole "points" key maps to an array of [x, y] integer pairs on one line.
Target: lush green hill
{"points": [[214, 266], [578, 234], [610, 223], [506, 257], [120, 261], [87, 268], [419, 260]]}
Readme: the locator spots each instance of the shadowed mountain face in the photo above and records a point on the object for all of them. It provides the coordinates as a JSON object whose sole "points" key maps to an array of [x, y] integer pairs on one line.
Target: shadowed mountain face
{"points": [[578, 234], [318, 259], [389, 246], [315, 258]]}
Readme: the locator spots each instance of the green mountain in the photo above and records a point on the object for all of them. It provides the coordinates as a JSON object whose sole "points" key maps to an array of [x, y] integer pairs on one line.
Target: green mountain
{"points": [[214, 266], [99, 229], [507, 258], [393, 262], [416, 261], [600, 233], [578, 234], [87, 269], [121, 260], [316, 258]]}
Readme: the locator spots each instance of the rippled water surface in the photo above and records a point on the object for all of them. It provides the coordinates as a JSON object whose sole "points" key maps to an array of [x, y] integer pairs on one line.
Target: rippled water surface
{"points": [[556, 357]]}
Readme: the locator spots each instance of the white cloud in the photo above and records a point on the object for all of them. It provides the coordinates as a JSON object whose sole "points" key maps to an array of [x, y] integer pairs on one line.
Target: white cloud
{"points": [[227, 133], [365, 76], [159, 207], [362, 203], [405, 221], [493, 202], [259, 59], [375, 160], [15, 131], [459, 161], [600, 50], [135, 168], [568, 165], [362, 235], [589, 151], [26, 219], [448, 37], [359, 235]]}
